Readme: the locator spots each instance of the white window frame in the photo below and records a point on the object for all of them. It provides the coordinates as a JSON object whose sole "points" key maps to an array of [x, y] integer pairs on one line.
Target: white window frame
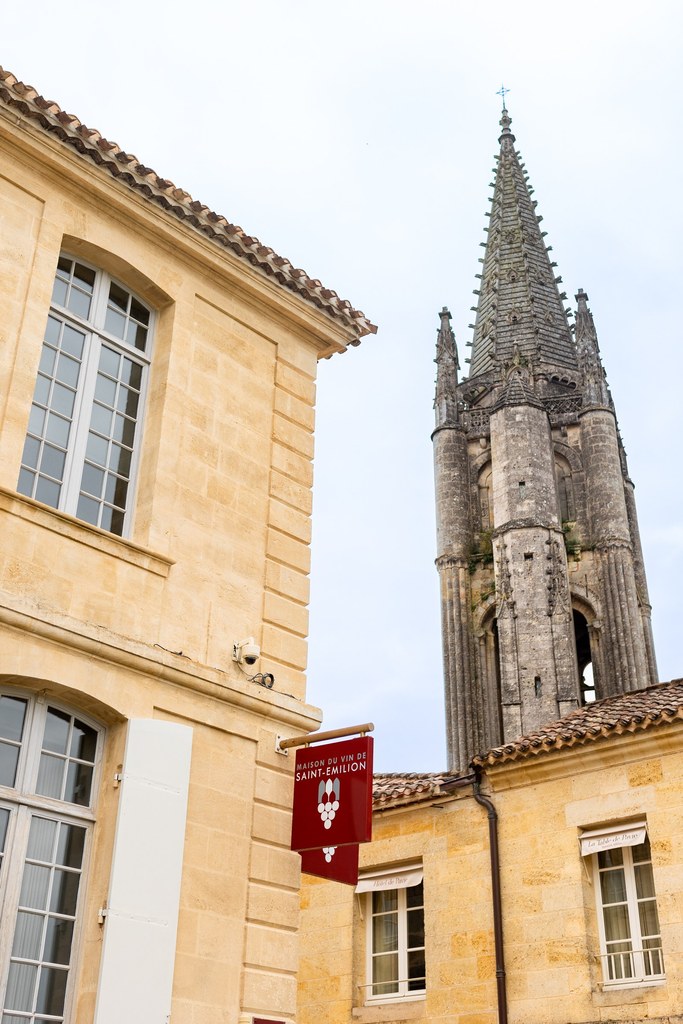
{"points": [[24, 803], [636, 966], [96, 337], [395, 880]]}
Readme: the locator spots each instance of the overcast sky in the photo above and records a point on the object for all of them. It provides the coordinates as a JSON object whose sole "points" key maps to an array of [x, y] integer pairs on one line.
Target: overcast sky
{"points": [[357, 139]]}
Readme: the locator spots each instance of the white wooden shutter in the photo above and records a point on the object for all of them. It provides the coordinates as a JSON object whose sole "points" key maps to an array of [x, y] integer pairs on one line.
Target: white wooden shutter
{"points": [[138, 953]]}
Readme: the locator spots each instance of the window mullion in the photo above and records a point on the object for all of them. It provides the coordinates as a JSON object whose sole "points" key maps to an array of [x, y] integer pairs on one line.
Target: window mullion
{"points": [[633, 914], [402, 941], [83, 413]]}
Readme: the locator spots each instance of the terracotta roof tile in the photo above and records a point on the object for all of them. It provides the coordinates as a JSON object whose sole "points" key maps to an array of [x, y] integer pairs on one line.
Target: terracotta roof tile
{"points": [[111, 158], [399, 788], [627, 712]]}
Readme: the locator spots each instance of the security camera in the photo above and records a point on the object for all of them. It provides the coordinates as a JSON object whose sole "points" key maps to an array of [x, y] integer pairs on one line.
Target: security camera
{"points": [[247, 652]]}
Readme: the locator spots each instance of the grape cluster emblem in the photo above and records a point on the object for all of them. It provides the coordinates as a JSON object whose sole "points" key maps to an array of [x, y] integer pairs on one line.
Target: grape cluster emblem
{"points": [[328, 801]]}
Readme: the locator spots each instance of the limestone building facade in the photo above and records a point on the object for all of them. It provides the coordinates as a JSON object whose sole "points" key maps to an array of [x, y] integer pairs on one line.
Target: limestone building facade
{"points": [[538, 551], [589, 845], [157, 387]]}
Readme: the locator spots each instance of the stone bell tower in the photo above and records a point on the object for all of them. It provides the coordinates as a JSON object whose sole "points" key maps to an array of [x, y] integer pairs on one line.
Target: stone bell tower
{"points": [[538, 550]]}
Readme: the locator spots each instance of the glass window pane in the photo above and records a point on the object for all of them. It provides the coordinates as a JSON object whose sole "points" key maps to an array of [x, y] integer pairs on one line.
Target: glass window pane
{"points": [[613, 886], [642, 851], [416, 970], [645, 883], [119, 460], [416, 928], [34, 888], [50, 776], [59, 290], [47, 360], [20, 987], [140, 338], [616, 924], [52, 329], [649, 921], [64, 892], [105, 390], [92, 480], [52, 462], [385, 933], [68, 370], [25, 484], [9, 758], [58, 430], [70, 846], [51, 990], [138, 311], [415, 895], [118, 297], [83, 741], [97, 449], [79, 303], [41, 840], [385, 974], [56, 733], [28, 936], [78, 783], [116, 522], [384, 901], [611, 858], [88, 510], [101, 419], [116, 490], [85, 275], [115, 323], [73, 341], [30, 454], [131, 374], [109, 361], [36, 421], [42, 392], [127, 402], [48, 492], [124, 430], [58, 940], [63, 400], [12, 717]]}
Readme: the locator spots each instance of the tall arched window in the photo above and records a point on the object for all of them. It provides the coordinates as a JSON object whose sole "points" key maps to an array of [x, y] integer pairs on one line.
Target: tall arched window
{"points": [[83, 433], [48, 758], [485, 499], [565, 490]]}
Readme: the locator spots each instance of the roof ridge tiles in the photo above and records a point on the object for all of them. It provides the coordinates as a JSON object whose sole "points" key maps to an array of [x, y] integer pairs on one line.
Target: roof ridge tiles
{"points": [[108, 155]]}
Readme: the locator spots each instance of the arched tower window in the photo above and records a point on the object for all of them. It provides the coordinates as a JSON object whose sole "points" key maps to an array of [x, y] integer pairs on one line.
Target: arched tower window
{"points": [[584, 658], [485, 499], [48, 759], [565, 489], [84, 427]]}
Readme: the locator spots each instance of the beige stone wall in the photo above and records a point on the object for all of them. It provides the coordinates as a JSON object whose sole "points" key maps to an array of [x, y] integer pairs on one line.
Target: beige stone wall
{"points": [[549, 912], [219, 551]]}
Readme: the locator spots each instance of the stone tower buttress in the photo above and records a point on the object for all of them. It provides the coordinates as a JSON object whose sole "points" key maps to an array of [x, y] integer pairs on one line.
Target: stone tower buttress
{"points": [[538, 553]]}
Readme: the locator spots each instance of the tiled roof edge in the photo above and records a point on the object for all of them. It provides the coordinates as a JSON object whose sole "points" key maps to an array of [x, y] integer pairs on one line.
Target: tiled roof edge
{"points": [[628, 712], [127, 169]]}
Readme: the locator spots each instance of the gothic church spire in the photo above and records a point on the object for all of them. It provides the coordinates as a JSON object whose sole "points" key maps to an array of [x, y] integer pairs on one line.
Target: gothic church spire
{"points": [[520, 304]]}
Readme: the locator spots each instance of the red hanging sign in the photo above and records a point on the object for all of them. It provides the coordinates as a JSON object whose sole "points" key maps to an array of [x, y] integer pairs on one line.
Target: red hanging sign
{"points": [[338, 863], [333, 795]]}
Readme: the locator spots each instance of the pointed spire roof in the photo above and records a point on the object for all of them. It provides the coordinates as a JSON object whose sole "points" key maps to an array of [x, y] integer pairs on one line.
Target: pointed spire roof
{"points": [[447, 366], [519, 301], [595, 390]]}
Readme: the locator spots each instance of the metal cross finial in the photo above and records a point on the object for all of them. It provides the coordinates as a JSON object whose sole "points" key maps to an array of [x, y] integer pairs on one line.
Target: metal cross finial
{"points": [[501, 92]]}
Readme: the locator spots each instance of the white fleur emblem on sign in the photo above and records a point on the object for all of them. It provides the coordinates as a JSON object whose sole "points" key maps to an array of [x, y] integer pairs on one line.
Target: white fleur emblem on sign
{"points": [[328, 801], [329, 852]]}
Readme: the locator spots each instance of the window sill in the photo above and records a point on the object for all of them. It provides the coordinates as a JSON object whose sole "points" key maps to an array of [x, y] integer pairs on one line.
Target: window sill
{"points": [[409, 1008], [82, 533], [618, 995]]}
